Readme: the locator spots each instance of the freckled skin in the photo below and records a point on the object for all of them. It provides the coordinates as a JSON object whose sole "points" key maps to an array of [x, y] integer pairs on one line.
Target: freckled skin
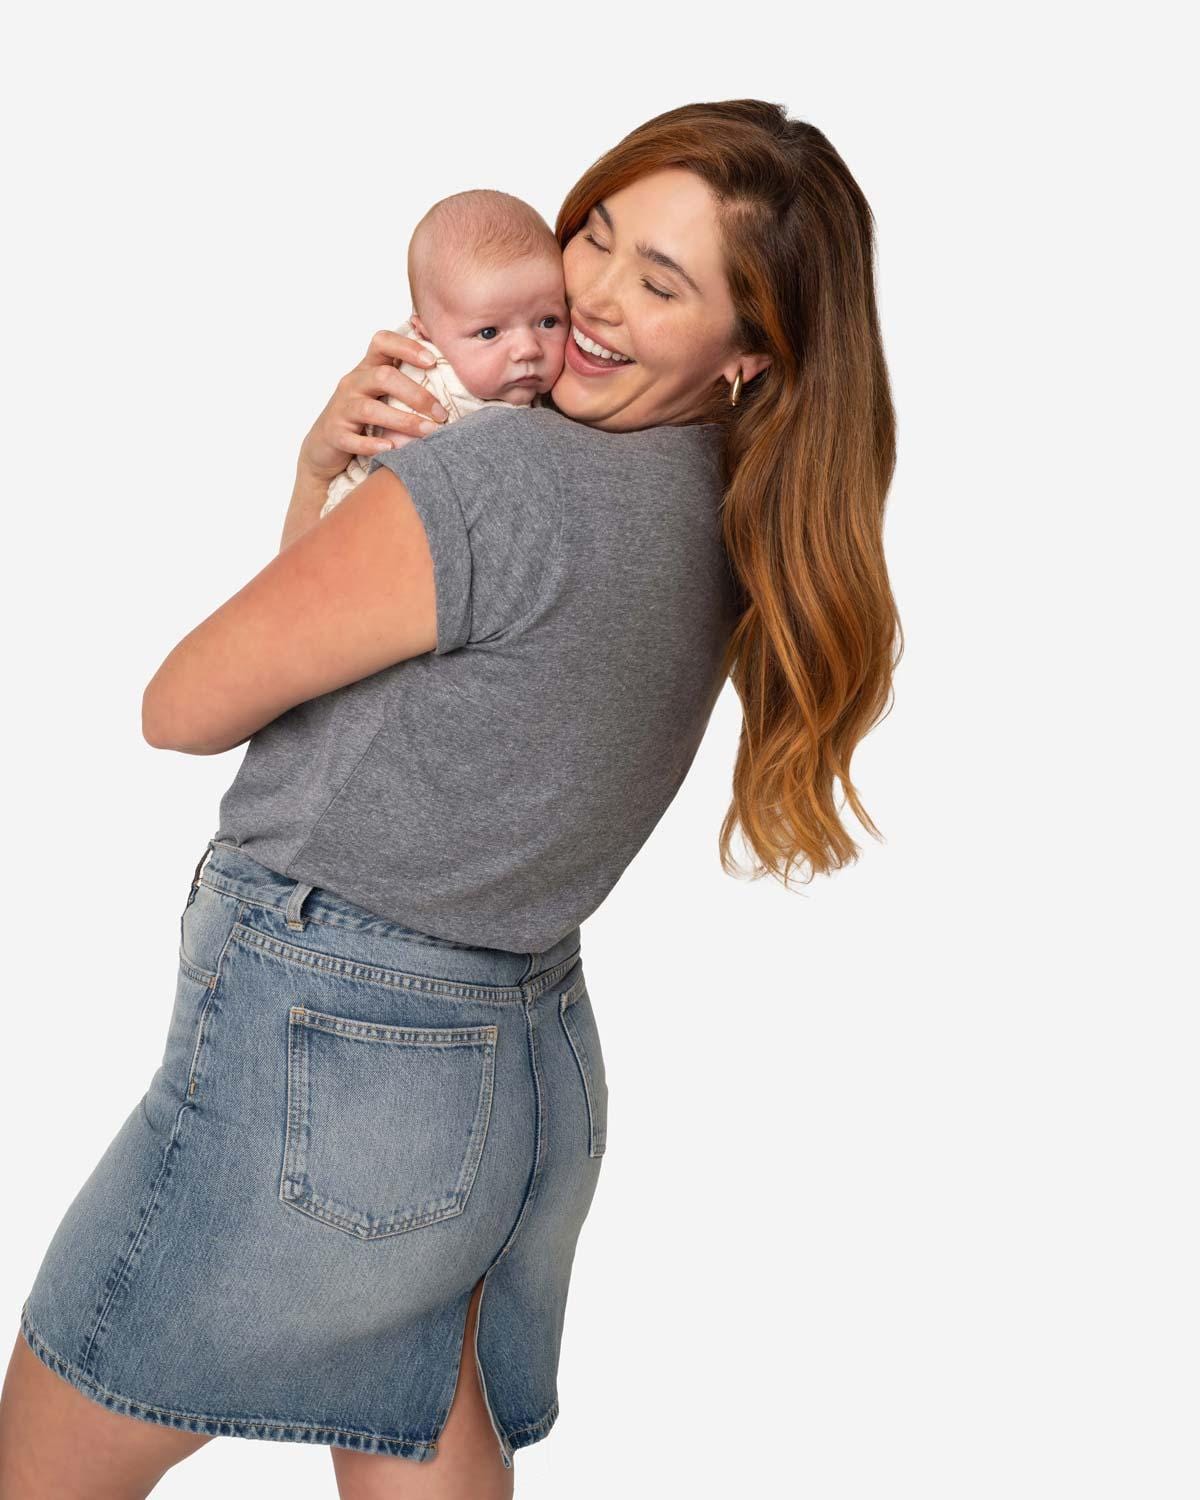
{"points": [[683, 345]]}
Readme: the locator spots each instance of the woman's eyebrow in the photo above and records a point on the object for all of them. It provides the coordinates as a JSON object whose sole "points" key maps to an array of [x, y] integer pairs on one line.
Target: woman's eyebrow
{"points": [[648, 252]]}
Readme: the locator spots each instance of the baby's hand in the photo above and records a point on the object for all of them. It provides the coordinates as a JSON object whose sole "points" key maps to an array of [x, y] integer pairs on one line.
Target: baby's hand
{"points": [[342, 428]]}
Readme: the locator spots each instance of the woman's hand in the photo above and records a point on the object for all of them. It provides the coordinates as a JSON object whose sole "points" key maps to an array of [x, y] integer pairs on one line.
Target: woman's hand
{"points": [[340, 432]]}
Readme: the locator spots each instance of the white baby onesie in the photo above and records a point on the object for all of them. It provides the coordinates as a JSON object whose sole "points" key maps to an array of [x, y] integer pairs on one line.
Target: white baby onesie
{"points": [[441, 381]]}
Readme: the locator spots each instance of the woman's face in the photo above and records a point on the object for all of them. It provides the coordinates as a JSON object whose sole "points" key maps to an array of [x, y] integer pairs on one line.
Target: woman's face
{"points": [[644, 278]]}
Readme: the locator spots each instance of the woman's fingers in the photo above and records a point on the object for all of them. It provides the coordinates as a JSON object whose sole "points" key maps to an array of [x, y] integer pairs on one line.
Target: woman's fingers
{"points": [[360, 443], [387, 380], [393, 418], [348, 432], [387, 346], [338, 431]]}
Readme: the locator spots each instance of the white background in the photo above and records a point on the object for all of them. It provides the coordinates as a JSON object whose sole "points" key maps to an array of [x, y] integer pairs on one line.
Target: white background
{"points": [[901, 1192]]}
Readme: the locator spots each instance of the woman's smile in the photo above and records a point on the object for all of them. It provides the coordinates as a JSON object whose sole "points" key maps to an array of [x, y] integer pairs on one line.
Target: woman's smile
{"points": [[584, 362], [590, 344]]}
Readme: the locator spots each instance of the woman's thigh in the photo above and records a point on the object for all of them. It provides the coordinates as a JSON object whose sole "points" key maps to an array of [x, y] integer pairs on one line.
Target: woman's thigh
{"points": [[57, 1444]]}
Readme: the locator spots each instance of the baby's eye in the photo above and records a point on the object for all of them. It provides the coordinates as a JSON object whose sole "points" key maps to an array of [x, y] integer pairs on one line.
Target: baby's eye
{"points": [[552, 319], [489, 330]]}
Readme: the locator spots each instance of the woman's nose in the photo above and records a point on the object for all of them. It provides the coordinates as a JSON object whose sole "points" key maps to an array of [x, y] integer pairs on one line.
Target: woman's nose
{"points": [[599, 315], [597, 300], [598, 305]]}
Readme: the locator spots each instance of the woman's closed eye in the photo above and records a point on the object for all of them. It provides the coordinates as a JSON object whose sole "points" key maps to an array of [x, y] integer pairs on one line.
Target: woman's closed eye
{"points": [[667, 296]]}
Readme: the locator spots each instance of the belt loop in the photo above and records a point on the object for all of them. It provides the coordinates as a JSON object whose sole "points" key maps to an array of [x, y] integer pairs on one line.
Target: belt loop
{"points": [[295, 901], [200, 863]]}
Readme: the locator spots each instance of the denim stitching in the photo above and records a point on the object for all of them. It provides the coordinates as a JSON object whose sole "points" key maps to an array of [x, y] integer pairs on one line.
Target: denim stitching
{"points": [[399, 978], [539, 1140], [241, 1425], [380, 1031], [234, 1426], [584, 1063], [209, 1006], [120, 1274], [570, 996], [336, 923], [542, 1422], [297, 1192], [315, 1209], [201, 976]]}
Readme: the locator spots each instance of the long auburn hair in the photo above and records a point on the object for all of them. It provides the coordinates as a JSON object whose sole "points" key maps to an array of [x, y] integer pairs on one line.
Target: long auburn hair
{"points": [[806, 462]]}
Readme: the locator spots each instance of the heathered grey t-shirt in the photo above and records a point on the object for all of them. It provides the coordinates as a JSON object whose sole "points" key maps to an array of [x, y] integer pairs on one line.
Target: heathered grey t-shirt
{"points": [[492, 791]]}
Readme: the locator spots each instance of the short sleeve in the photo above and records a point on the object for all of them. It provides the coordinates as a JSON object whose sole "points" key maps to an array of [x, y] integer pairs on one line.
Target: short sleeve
{"points": [[489, 496]]}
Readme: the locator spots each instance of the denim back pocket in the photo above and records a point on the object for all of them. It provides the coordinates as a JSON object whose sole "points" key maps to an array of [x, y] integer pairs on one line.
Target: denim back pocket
{"points": [[575, 1009], [385, 1124]]}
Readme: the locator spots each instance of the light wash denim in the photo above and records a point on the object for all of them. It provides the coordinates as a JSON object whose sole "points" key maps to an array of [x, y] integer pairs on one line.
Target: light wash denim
{"points": [[352, 1123]]}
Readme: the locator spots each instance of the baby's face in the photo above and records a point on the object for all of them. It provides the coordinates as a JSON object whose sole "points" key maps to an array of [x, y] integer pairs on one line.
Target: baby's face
{"points": [[504, 330]]}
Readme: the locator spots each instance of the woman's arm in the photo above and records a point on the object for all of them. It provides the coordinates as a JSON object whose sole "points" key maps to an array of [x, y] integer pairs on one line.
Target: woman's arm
{"points": [[342, 600], [304, 509], [340, 431]]}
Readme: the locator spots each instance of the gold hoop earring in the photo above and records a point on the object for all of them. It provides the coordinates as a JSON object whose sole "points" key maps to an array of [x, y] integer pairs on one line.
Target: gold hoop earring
{"points": [[736, 389]]}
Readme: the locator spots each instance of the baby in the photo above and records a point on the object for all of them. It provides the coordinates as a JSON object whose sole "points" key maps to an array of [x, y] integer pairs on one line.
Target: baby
{"points": [[485, 277]]}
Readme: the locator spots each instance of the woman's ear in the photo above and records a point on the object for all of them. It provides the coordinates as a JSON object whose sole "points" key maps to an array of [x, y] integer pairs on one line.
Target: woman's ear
{"points": [[749, 364]]}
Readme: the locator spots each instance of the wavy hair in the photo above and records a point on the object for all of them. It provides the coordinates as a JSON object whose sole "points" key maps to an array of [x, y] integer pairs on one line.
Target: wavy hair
{"points": [[806, 462]]}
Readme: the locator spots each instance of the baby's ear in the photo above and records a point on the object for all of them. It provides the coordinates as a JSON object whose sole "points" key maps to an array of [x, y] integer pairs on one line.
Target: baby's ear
{"points": [[419, 328]]}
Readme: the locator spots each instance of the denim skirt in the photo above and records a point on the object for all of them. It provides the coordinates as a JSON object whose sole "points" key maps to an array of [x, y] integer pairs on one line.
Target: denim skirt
{"points": [[353, 1122]]}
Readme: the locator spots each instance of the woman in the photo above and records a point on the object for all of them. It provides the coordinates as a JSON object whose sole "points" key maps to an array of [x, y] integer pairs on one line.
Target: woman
{"points": [[345, 1211]]}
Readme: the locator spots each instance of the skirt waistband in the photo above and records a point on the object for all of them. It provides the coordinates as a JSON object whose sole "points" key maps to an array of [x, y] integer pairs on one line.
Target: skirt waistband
{"points": [[231, 870]]}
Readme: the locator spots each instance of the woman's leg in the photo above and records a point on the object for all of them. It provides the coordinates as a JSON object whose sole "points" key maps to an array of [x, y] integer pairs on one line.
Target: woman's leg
{"points": [[58, 1444], [467, 1465]]}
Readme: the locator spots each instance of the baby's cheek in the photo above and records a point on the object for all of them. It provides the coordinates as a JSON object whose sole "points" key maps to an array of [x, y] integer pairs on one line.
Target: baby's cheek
{"points": [[481, 370]]}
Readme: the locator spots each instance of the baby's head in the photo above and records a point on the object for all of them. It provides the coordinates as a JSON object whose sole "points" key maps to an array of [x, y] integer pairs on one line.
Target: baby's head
{"points": [[485, 275]]}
